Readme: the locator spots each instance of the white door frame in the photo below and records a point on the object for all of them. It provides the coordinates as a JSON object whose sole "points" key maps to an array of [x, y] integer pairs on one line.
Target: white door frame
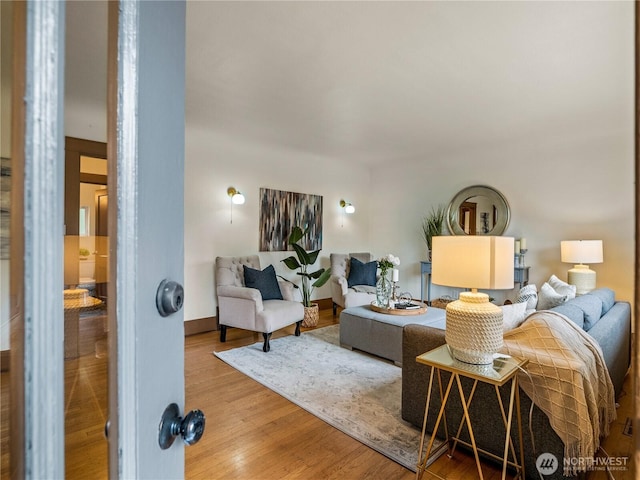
{"points": [[146, 240], [37, 319]]}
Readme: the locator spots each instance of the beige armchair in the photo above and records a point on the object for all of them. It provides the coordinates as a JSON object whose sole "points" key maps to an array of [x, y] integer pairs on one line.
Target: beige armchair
{"points": [[341, 293], [243, 307]]}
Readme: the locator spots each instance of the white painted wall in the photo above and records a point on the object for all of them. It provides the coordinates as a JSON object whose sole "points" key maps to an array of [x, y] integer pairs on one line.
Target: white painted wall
{"points": [[558, 188], [572, 178], [215, 162], [569, 178], [574, 185]]}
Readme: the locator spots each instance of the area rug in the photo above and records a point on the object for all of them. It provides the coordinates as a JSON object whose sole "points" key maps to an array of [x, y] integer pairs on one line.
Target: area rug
{"points": [[354, 392]]}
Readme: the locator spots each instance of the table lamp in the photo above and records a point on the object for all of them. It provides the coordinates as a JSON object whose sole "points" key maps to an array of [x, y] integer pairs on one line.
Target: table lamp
{"points": [[473, 324], [580, 252]]}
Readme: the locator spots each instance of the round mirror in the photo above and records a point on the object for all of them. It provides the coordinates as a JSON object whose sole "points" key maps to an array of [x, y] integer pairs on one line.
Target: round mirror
{"points": [[478, 210]]}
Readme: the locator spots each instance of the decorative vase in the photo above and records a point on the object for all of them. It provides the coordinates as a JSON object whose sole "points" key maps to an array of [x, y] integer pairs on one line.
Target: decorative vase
{"points": [[311, 316], [383, 290]]}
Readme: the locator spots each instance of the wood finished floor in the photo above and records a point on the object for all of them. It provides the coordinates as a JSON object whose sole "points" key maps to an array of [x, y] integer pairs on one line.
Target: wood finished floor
{"points": [[251, 433]]}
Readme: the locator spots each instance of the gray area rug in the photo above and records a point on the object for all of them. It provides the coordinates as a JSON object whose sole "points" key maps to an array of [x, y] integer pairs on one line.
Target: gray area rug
{"points": [[356, 393]]}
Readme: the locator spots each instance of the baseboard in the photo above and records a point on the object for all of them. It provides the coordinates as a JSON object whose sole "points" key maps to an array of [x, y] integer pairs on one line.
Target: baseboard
{"points": [[5, 357], [200, 325], [324, 303], [191, 327]]}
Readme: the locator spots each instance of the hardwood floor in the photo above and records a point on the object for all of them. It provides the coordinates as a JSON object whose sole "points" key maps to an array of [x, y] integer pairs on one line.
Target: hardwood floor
{"points": [[251, 432]]}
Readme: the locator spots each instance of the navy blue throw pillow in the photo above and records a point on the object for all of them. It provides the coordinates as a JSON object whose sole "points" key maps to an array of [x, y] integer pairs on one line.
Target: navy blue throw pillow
{"points": [[264, 280], [362, 273]]}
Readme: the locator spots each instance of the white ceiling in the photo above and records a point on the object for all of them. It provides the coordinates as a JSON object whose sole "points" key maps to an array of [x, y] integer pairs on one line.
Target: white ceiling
{"points": [[378, 81]]}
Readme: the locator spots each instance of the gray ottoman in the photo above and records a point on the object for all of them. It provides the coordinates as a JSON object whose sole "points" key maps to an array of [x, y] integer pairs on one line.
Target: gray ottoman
{"points": [[380, 333]]}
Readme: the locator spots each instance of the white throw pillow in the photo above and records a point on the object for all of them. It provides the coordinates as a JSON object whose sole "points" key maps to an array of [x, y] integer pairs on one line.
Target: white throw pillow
{"points": [[529, 295], [513, 315], [549, 298], [562, 288]]}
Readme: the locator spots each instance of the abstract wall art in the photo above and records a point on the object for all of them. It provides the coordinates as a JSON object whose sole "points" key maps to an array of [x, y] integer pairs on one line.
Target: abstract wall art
{"points": [[280, 211]]}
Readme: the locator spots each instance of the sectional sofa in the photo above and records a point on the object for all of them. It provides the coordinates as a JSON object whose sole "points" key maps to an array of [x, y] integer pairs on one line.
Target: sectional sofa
{"points": [[608, 321]]}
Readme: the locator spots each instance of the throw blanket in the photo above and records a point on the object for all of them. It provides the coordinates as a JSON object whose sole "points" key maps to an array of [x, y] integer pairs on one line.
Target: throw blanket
{"points": [[569, 381], [364, 288]]}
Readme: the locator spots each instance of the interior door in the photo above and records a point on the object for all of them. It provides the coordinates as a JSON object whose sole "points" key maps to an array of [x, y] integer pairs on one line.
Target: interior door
{"points": [[467, 216], [102, 247], [146, 164], [146, 142]]}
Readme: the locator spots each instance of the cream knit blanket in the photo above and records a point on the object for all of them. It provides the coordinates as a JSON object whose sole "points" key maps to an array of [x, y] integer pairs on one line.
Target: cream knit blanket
{"points": [[569, 382]]}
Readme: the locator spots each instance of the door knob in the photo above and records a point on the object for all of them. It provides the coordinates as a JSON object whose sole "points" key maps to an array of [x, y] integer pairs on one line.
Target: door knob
{"points": [[191, 427], [169, 297]]}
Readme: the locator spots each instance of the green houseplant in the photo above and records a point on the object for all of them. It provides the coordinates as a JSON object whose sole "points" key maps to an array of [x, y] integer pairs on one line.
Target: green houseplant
{"points": [[432, 225], [310, 280]]}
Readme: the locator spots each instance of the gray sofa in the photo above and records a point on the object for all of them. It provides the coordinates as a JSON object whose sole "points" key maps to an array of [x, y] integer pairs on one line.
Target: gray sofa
{"points": [[606, 320]]}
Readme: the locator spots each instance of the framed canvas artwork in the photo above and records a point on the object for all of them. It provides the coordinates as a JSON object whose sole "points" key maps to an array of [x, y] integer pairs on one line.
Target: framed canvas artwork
{"points": [[280, 211]]}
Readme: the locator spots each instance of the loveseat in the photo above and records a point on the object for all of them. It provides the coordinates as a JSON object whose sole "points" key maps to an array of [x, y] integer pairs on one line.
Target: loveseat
{"points": [[604, 319]]}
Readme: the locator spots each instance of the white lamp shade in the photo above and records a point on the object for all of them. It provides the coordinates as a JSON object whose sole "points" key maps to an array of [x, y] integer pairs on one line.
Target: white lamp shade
{"points": [[238, 198], [473, 324], [473, 261], [349, 208], [581, 251]]}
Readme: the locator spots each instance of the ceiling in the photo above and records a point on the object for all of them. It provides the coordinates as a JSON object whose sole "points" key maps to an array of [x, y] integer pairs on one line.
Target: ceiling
{"points": [[378, 81]]}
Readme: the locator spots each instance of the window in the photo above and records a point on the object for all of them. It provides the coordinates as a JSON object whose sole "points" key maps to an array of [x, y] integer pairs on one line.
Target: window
{"points": [[84, 222]]}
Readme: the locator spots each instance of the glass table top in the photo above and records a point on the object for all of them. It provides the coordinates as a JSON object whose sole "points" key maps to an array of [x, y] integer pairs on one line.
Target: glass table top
{"points": [[503, 367]]}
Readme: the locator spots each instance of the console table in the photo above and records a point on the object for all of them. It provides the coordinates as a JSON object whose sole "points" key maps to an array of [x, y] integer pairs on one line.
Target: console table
{"points": [[520, 277], [425, 268]]}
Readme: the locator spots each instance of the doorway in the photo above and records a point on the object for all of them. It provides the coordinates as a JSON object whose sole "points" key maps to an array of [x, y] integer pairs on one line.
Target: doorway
{"points": [[86, 321], [147, 369], [467, 216]]}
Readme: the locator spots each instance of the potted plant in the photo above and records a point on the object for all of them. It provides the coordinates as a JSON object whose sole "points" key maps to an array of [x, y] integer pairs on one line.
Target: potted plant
{"points": [[432, 226], [84, 253], [310, 280]]}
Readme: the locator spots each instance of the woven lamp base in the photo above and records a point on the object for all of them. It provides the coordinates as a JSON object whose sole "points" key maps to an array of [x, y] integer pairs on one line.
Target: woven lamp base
{"points": [[474, 328], [583, 278]]}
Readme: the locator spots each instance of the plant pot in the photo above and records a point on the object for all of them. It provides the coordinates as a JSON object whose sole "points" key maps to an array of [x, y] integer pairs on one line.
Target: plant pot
{"points": [[311, 316]]}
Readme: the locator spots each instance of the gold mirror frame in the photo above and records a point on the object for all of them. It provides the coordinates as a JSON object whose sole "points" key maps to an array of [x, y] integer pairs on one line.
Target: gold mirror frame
{"points": [[502, 212]]}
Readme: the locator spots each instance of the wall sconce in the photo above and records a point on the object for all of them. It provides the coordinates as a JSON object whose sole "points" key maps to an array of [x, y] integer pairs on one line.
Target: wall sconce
{"points": [[236, 198], [346, 208]]}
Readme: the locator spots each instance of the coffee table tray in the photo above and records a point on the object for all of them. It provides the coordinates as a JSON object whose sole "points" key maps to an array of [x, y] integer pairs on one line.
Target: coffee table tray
{"points": [[400, 311]]}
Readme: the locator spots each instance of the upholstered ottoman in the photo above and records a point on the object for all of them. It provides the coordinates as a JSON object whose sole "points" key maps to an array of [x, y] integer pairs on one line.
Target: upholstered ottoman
{"points": [[381, 333]]}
